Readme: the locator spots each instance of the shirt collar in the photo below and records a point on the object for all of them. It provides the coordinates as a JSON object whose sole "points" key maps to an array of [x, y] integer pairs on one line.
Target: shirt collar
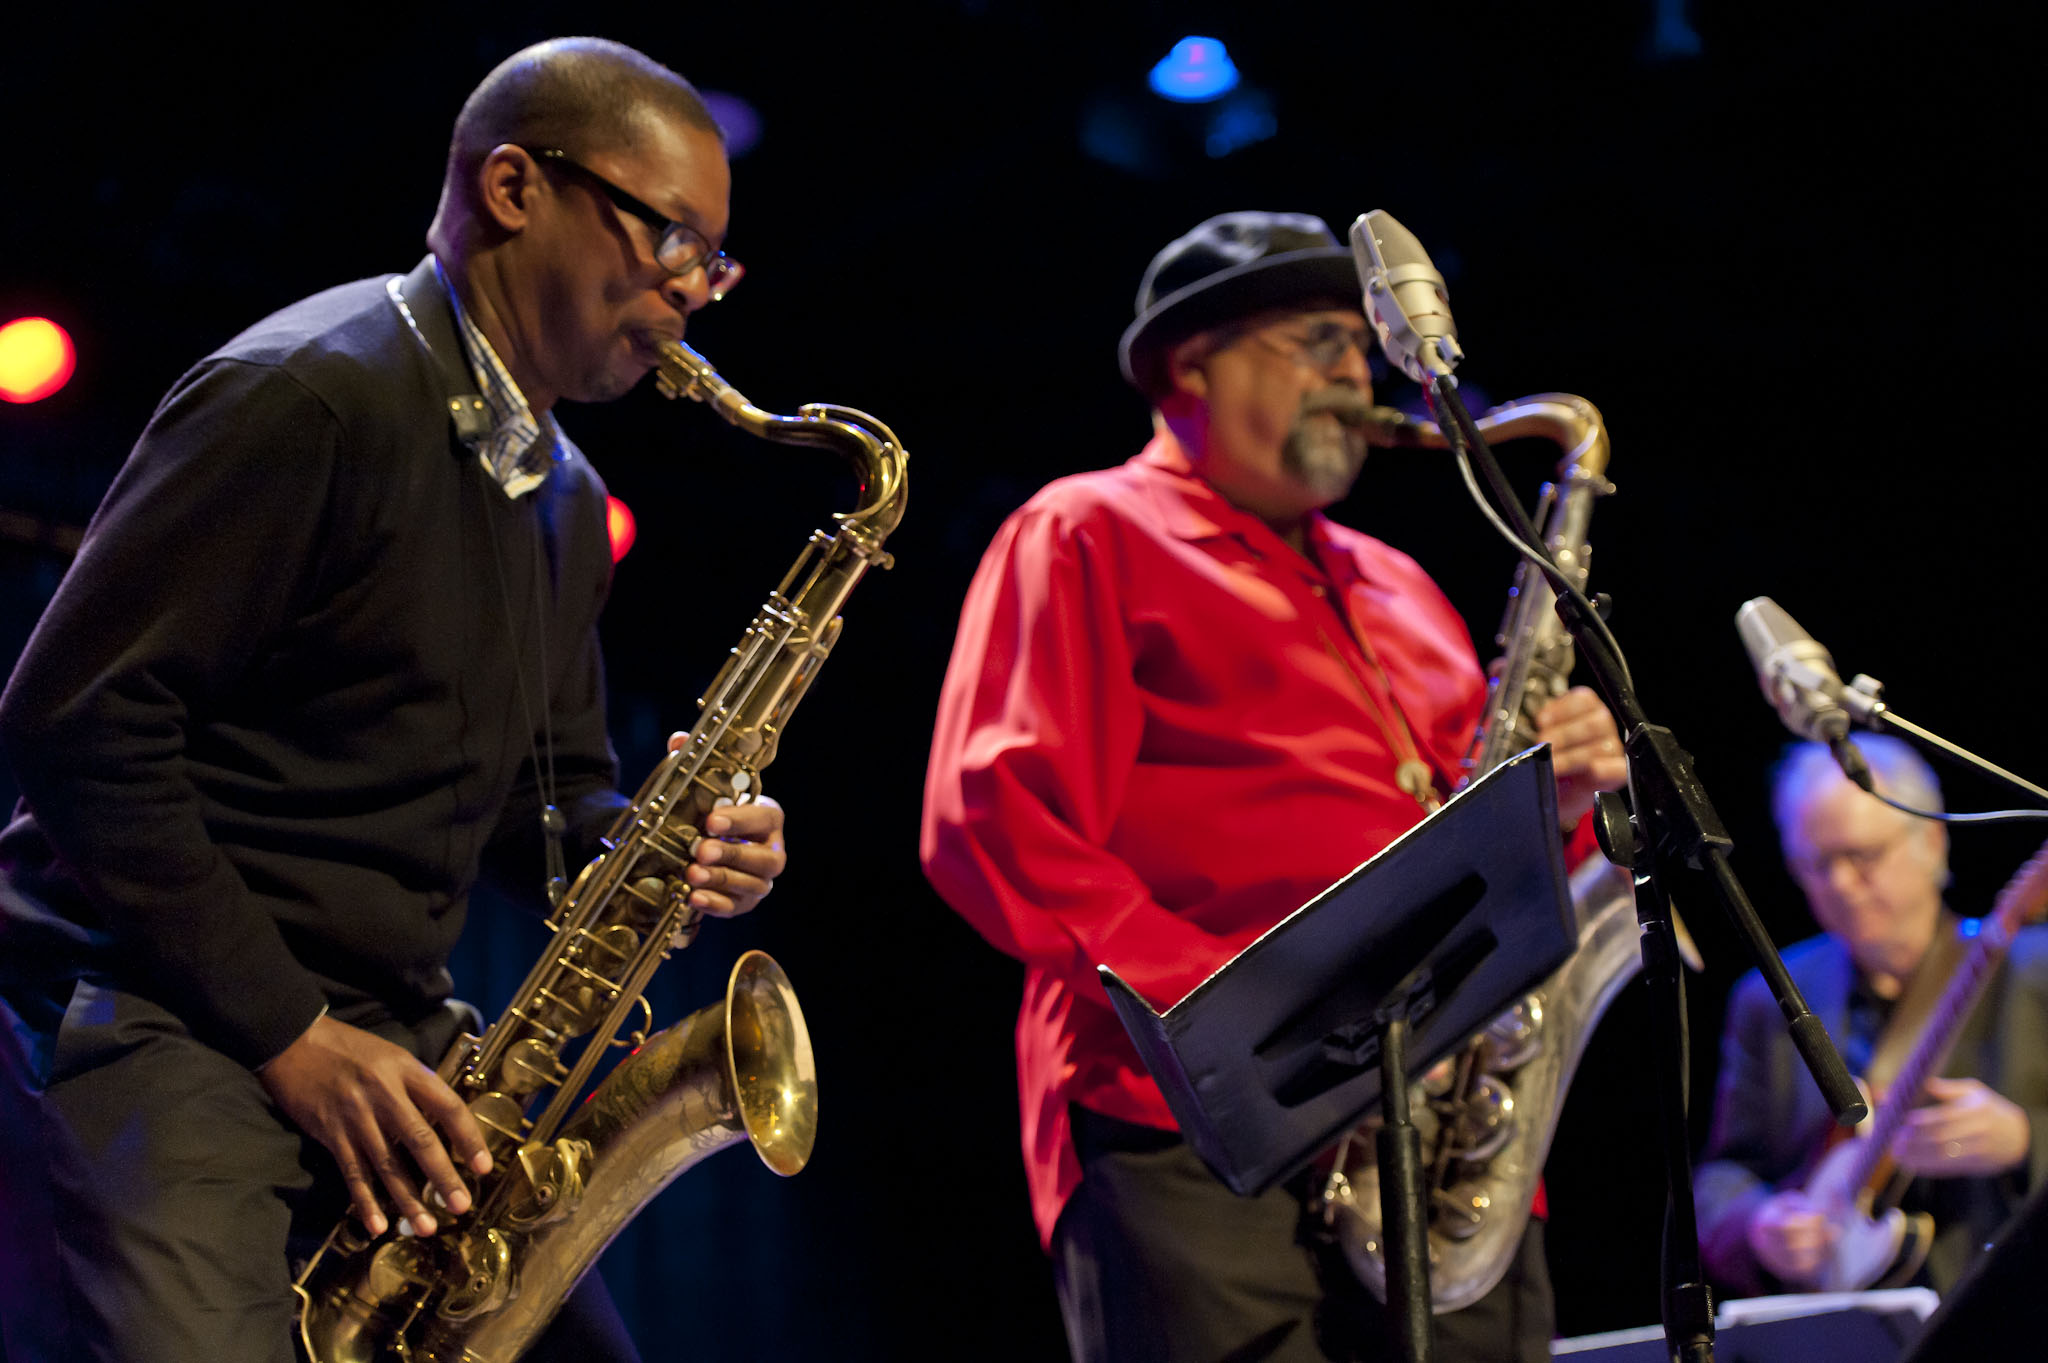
{"points": [[1191, 509], [519, 449]]}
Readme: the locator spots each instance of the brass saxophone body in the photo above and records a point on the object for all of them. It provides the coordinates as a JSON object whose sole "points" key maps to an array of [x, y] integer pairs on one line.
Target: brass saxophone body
{"points": [[566, 1176], [1487, 1127]]}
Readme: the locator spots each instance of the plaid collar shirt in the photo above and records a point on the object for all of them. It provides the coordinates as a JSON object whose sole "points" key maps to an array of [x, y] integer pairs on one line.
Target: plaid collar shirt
{"points": [[520, 448]]}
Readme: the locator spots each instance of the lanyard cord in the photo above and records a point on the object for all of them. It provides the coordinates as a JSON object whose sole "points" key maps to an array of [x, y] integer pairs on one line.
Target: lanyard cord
{"points": [[552, 824], [1411, 773]]}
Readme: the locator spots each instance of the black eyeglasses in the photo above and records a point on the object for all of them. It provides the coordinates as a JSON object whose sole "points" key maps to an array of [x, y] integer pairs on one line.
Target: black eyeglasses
{"points": [[678, 247], [1324, 345], [1819, 865]]}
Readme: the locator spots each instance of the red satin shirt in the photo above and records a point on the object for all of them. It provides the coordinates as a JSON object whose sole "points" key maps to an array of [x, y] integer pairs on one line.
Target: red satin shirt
{"points": [[1158, 737]]}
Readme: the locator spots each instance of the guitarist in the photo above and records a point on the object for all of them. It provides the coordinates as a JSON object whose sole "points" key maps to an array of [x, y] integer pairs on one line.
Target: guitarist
{"points": [[1874, 879]]}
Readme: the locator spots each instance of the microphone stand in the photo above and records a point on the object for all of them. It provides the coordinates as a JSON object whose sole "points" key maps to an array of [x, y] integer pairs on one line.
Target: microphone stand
{"points": [[1673, 836], [1884, 717], [1799, 681], [1876, 715]]}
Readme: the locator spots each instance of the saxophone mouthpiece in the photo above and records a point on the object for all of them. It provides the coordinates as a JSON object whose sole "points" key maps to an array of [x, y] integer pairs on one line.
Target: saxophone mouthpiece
{"points": [[1389, 428]]}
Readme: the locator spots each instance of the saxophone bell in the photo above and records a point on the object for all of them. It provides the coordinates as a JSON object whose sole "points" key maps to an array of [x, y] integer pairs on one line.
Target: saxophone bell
{"points": [[737, 1070]]}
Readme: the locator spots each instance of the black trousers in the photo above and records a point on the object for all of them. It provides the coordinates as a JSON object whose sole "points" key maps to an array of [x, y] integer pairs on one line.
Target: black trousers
{"points": [[154, 1199], [1157, 1262]]}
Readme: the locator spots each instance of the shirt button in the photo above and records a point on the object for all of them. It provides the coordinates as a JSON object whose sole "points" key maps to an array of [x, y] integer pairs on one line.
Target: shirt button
{"points": [[1318, 589]]}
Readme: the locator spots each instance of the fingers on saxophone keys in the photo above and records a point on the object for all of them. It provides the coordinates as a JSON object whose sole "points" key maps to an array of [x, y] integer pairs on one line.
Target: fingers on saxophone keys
{"points": [[717, 889], [363, 1199], [758, 822], [440, 1105], [413, 1217], [444, 1183]]}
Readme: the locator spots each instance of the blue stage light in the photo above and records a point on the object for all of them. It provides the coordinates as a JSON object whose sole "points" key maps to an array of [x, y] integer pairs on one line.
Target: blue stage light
{"points": [[1246, 117], [739, 120], [1197, 70]]}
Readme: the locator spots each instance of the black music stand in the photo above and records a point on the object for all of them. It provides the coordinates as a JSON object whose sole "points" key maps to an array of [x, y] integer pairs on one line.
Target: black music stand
{"points": [[1282, 1050]]}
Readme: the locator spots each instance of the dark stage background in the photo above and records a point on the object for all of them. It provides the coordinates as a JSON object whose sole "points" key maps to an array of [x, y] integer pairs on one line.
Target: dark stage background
{"points": [[1784, 250]]}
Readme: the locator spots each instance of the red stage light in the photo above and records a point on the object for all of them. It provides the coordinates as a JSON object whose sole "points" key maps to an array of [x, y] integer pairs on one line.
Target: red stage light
{"points": [[618, 521], [36, 358]]}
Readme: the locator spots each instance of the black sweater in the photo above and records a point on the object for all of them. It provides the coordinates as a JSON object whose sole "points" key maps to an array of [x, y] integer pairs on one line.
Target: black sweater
{"points": [[271, 723]]}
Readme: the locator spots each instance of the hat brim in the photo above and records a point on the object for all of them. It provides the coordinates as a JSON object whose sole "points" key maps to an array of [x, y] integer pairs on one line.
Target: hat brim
{"points": [[1320, 272]]}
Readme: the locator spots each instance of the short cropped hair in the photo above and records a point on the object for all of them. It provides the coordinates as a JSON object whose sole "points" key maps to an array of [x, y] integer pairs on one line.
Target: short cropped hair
{"points": [[579, 94], [1899, 772]]}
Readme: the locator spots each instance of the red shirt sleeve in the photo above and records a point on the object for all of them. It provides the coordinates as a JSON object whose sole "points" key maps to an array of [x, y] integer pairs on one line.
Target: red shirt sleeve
{"points": [[1038, 730]]}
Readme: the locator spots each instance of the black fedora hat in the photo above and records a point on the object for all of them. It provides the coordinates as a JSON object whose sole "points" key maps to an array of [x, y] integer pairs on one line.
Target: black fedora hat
{"points": [[1231, 266]]}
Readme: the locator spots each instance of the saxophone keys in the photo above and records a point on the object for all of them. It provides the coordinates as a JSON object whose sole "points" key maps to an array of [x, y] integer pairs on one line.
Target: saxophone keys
{"points": [[1485, 1121], [1336, 1196], [481, 1280], [501, 1116], [1516, 1037], [1459, 1211], [549, 1183], [637, 1038], [607, 950], [391, 1271]]}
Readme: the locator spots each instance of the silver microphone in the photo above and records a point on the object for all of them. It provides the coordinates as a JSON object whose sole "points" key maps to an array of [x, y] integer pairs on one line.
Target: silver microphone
{"points": [[1405, 297], [1798, 676]]}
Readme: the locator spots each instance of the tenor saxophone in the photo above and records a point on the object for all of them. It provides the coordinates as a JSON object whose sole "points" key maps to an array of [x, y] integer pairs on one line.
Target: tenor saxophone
{"points": [[1487, 1124], [567, 1177]]}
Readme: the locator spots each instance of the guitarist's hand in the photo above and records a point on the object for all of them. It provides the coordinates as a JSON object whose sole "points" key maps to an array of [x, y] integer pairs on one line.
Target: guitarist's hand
{"points": [[1791, 1238], [1967, 1130]]}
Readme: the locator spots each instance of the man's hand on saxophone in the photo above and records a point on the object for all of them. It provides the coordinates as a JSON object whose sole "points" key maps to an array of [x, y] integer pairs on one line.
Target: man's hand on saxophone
{"points": [[738, 860], [1585, 751], [364, 1098]]}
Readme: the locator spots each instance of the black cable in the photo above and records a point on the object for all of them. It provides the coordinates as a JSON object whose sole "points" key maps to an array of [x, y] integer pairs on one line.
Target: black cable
{"points": [[1853, 765], [1462, 433], [1445, 390], [1987, 816]]}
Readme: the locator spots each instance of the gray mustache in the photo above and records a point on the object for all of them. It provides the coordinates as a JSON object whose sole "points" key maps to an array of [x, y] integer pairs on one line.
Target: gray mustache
{"points": [[1348, 405]]}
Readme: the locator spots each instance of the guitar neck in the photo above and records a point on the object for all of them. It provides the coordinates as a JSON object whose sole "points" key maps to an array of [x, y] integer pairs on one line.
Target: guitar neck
{"points": [[2021, 899], [1965, 987]]}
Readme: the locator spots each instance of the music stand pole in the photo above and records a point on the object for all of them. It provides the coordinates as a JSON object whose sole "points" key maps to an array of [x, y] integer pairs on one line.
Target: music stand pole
{"points": [[1287, 1046], [1399, 1150]]}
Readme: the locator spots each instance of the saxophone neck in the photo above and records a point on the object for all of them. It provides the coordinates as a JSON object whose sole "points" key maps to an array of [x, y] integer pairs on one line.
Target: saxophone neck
{"points": [[1390, 428], [877, 457], [1537, 654], [1567, 420]]}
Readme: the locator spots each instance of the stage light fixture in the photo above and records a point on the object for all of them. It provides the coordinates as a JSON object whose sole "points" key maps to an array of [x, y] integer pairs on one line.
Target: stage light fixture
{"points": [[1195, 71], [36, 359], [620, 525]]}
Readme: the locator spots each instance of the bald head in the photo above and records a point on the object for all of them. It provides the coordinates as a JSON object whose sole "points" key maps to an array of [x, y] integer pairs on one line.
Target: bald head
{"points": [[583, 95], [571, 165]]}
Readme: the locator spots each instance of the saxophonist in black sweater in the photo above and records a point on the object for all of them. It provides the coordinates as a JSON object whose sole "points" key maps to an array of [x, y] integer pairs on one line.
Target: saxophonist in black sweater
{"points": [[326, 654]]}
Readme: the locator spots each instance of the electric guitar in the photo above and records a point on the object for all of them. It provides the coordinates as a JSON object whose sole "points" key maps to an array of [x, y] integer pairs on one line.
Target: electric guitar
{"points": [[1888, 1248]]}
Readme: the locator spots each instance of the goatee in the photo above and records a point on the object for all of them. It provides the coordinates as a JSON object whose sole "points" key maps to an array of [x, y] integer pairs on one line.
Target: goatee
{"points": [[1326, 446]]}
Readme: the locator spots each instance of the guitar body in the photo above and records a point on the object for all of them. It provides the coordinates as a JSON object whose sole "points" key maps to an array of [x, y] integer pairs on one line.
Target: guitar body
{"points": [[1881, 1251]]}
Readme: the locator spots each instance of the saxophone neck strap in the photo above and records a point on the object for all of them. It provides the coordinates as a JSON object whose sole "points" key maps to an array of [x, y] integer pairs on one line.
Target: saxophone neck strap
{"points": [[429, 314]]}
